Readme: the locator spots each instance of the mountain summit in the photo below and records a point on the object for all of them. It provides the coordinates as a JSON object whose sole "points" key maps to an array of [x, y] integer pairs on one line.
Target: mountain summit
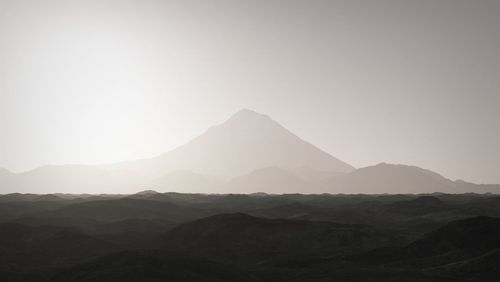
{"points": [[248, 117], [245, 142]]}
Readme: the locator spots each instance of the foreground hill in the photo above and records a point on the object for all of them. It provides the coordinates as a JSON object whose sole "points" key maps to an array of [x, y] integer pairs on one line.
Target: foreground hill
{"points": [[468, 246], [125, 208], [150, 267], [455, 241], [23, 247], [152, 236], [243, 239], [463, 250]]}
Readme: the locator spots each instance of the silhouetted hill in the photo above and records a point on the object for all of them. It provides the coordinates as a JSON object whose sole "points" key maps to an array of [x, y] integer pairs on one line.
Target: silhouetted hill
{"points": [[11, 210], [49, 197], [150, 267], [147, 193], [187, 181], [456, 241], [24, 246], [286, 237], [313, 175], [476, 234], [270, 180], [480, 268], [127, 208], [243, 202], [393, 179], [18, 197], [69, 178], [418, 206], [243, 239], [388, 178], [293, 211], [131, 225], [467, 187]]}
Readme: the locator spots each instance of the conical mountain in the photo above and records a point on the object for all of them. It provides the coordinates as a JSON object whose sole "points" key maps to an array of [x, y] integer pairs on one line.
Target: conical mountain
{"points": [[246, 142]]}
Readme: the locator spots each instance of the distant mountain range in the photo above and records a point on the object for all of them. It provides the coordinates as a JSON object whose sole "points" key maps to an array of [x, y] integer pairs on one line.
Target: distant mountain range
{"points": [[248, 153]]}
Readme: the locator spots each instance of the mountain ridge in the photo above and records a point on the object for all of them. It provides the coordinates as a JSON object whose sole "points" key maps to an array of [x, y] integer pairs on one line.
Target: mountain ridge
{"points": [[400, 179], [238, 150]]}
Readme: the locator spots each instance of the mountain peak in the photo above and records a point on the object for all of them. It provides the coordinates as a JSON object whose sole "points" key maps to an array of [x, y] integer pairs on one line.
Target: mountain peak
{"points": [[247, 113], [246, 117], [245, 142]]}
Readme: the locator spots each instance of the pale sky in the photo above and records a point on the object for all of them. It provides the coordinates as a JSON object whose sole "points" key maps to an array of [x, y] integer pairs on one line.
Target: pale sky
{"points": [[99, 81]]}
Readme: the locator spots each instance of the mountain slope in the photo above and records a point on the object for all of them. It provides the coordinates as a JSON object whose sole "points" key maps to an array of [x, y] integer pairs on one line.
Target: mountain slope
{"points": [[455, 241], [471, 235], [125, 208], [239, 149], [69, 179], [150, 267], [24, 246], [402, 179], [245, 142]]}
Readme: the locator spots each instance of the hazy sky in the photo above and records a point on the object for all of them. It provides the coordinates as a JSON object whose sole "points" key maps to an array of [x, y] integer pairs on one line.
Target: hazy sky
{"points": [[97, 81]]}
